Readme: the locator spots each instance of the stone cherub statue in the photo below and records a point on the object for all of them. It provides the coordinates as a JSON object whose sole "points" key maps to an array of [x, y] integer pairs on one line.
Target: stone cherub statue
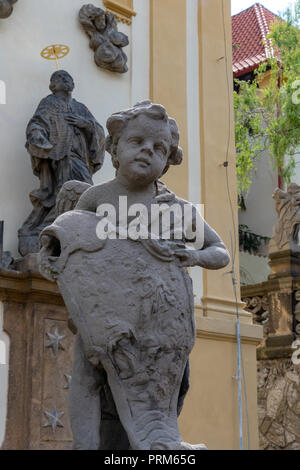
{"points": [[286, 231], [105, 39], [6, 8], [129, 293], [65, 143]]}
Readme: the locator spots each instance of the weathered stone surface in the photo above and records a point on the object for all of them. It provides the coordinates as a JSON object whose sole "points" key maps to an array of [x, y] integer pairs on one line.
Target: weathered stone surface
{"points": [[276, 435], [130, 299], [6, 260], [105, 39], [266, 423], [285, 234], [279, 404], [264, 443], [37, 376], [293, 446], [274, 398], [276, 305], [292, 395], [289, 438], [65, 142]]}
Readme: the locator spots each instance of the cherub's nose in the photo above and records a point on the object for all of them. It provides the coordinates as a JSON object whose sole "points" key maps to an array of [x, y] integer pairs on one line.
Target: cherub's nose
{"points": [[148, 148]]}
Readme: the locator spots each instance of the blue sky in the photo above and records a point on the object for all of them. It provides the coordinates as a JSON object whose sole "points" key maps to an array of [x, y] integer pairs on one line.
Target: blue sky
{"points": [[274, 5]]}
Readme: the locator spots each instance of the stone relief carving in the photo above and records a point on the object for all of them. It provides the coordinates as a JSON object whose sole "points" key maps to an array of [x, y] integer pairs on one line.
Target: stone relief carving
{"points": [[55, 354], [105, 39], [65, 142], [53, 419], [279, 405], [286, 231], [55, 342], [68, 379], [130, 299], [297, 312], [6, 8], [259, 307]]}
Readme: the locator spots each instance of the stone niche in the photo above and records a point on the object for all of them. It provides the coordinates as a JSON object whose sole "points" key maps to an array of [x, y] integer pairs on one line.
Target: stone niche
{"points": [[40, 361]]}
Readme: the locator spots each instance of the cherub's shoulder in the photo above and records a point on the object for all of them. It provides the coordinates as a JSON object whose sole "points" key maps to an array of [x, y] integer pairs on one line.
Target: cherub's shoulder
{"points": [[94, 196], [165, 194]]}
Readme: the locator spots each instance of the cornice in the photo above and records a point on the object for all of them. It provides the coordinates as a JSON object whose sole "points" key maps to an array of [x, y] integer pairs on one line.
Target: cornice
{"points": [[121, 13]]}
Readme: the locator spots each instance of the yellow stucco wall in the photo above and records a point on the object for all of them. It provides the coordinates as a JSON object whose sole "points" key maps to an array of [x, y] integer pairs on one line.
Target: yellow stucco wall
{"points": [[168, 76], [210, 414]]}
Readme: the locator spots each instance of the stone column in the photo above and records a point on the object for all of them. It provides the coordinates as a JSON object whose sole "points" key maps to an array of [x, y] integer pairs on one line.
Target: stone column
{"points": [[214, 360]]}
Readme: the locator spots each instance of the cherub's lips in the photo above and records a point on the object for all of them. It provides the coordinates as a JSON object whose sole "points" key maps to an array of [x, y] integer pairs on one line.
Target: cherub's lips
{"points": [[142, 160]]}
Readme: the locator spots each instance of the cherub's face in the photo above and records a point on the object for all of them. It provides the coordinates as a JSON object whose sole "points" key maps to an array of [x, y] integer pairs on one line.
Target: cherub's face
{"points": [[143, 150], [100, 22]]}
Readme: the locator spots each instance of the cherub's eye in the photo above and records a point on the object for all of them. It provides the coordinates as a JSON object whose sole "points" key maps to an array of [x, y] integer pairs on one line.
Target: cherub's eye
{"points": [[135, 140], [160, 148]]}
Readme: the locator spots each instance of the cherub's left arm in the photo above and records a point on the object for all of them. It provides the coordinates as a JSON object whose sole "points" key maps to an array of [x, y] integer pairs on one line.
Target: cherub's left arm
{"points": [[207, 249]]}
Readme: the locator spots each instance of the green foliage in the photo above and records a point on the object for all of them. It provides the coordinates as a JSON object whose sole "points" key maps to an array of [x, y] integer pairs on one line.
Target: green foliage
{"points": [[248, 122], [249, 241], [269, 118]]}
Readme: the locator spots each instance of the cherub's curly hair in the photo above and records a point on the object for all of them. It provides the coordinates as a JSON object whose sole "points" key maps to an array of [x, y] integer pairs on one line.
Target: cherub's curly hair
{"points": [[118, 121]]}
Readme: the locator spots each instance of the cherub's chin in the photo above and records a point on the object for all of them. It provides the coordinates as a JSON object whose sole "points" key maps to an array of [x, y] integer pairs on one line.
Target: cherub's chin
{"points": [[140, 170], [141, 178]]}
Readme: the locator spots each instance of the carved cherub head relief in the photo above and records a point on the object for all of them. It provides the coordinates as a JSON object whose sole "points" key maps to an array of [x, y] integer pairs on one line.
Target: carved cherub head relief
{"points": [[143, 139], [6, 8], [93, 18], [105, 39]]}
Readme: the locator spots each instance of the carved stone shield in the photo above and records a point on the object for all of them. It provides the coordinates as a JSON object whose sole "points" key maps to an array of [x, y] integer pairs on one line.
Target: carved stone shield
{"points": [[133, 307]]}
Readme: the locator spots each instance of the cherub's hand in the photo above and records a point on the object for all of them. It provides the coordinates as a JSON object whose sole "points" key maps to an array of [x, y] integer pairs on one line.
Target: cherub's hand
{"points": [[214, 257]]}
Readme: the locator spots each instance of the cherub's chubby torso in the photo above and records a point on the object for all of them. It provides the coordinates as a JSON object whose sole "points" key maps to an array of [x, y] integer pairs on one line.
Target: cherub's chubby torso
{"points": [[162, 214], [110, 192]]}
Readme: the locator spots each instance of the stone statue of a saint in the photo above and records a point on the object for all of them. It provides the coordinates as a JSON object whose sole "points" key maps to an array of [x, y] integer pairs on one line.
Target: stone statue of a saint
{"points": [[286, 231], [120, 260], [65, 143]]}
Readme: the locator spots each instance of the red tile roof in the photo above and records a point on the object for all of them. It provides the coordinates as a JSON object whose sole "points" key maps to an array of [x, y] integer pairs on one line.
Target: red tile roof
{"points": [[249, 31]]}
